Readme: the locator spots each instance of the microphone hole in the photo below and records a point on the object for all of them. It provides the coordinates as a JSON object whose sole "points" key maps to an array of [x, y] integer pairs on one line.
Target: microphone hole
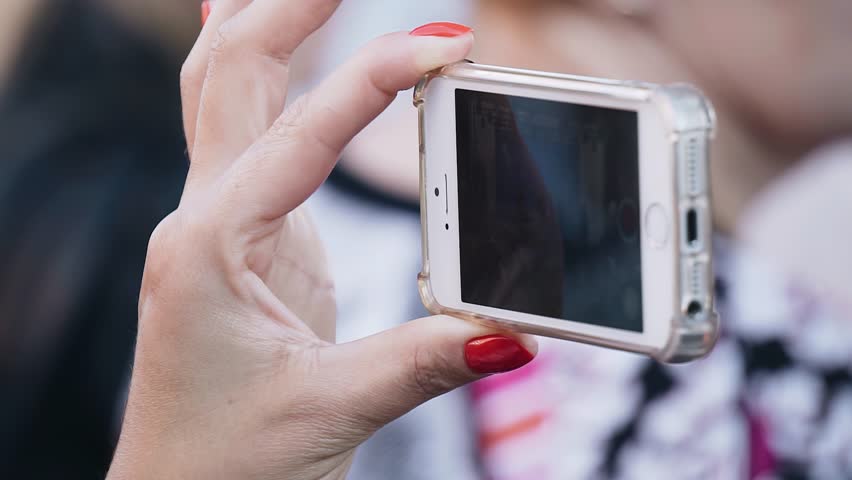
{"points": [[694, 308]]}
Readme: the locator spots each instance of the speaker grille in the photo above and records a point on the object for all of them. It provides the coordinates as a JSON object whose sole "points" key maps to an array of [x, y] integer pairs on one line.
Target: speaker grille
{"points": [[694, 280], [693, 177]]}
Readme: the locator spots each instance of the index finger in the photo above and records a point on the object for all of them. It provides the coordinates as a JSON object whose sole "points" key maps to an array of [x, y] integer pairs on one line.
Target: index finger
{"points": [[296, 155]]}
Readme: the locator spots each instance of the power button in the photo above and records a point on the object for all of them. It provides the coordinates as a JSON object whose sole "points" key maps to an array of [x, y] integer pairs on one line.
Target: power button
{"points": [[657, 225]]}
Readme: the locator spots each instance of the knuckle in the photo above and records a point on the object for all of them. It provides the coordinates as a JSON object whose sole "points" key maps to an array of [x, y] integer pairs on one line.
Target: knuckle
{"points": [[190, 76], [296, 124], [225, 40], [288, 129], [160, 258], [173, 244], [433, 373], [374, 59], [293, 119], [186, 243], [162, 238]]}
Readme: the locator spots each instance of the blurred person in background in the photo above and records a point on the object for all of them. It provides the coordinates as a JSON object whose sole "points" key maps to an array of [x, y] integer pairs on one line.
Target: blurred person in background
{"points": [[92, 157], [775, 398]]}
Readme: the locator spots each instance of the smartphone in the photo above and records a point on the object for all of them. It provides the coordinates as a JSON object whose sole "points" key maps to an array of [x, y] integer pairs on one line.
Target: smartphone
{"points": [[570, 207]]}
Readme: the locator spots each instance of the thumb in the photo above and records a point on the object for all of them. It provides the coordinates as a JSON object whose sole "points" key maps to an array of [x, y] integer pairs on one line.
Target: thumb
{"points": [[384, 376]]}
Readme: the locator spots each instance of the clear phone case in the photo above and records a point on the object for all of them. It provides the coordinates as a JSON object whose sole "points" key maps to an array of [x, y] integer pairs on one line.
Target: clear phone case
{"points": [[691, 120]]}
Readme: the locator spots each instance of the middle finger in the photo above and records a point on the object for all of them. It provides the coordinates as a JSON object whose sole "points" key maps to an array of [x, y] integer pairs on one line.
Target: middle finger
{"points": [[246, 85], [195, 67]]}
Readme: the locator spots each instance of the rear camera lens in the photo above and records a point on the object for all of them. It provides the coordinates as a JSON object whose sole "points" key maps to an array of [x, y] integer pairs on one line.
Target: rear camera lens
{"points": [[437, 192]]}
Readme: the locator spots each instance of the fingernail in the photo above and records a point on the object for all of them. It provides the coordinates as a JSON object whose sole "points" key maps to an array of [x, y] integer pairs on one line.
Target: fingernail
{"points": [[205, 11], [495, 354], [440, 29]]}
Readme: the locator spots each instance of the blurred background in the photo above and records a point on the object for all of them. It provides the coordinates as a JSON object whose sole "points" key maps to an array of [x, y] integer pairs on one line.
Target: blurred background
{"points": [[92, 156]]}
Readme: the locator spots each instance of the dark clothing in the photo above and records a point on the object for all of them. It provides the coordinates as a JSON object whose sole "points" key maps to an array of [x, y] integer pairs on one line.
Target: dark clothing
{"points": [[92, 157]]}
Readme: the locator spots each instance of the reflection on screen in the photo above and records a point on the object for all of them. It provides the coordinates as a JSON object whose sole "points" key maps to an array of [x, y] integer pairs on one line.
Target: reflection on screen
{"points": [[549, 208]]}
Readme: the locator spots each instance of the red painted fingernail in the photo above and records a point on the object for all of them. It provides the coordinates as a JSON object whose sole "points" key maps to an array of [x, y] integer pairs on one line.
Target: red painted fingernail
{"points": [[441, 29], [205, 11], [495, 354]]}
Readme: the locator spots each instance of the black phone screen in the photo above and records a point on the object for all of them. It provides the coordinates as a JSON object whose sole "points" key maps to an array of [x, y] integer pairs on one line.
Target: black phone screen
{"points": [[549, 216]]}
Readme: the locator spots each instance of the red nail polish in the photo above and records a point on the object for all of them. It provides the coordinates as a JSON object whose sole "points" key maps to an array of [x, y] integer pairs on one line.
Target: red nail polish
{"points": [[441, 29], [495, 354], [205, 11]]}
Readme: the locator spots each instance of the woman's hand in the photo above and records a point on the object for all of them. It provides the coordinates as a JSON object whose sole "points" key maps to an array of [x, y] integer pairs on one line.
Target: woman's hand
{"points": [[236, 375]]}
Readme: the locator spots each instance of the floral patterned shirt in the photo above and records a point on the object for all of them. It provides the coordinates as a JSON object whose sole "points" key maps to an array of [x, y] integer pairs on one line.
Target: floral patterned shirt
{"points": [[773, 400]]}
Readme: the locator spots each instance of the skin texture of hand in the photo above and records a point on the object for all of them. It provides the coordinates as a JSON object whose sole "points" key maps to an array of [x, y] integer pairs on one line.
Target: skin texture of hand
{"points": [[236, 374]]}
